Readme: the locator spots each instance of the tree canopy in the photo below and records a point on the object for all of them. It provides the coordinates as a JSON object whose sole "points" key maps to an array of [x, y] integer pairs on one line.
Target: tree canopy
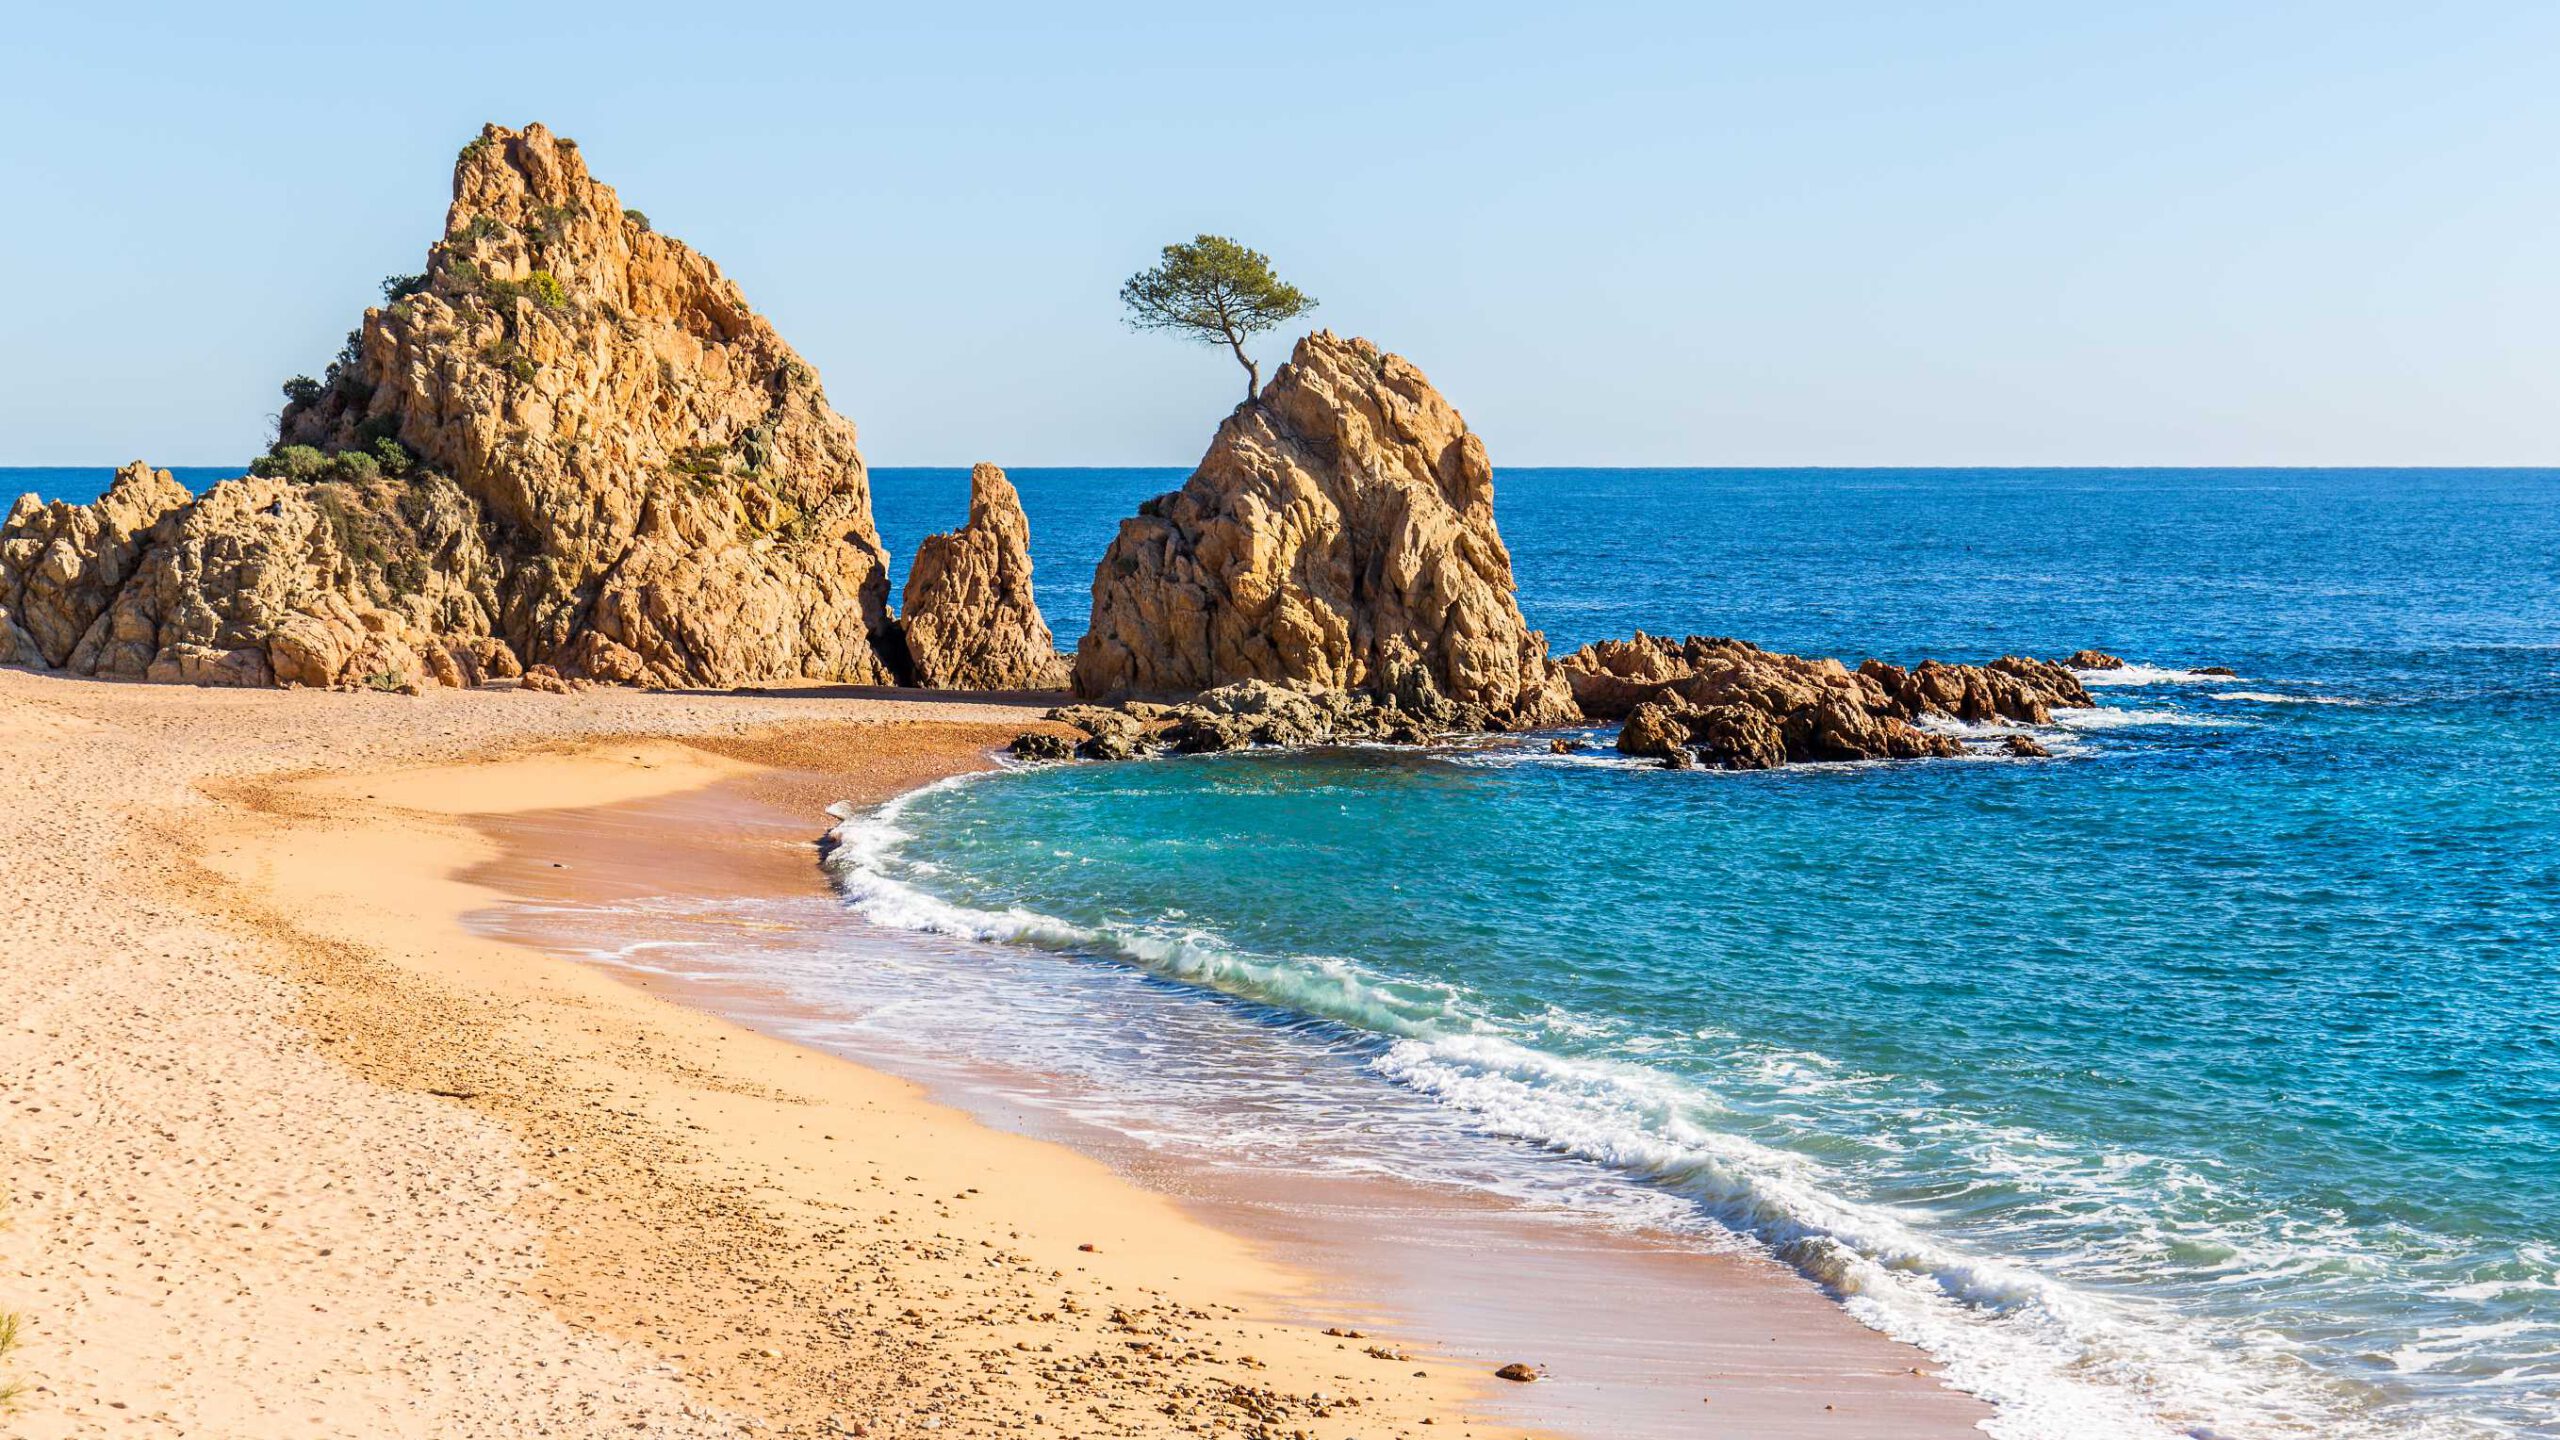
{"points": [[1216, 292]]}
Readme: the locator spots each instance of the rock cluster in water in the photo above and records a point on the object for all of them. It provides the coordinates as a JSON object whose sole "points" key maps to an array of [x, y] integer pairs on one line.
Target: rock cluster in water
{"points": [[1235, 717], [968, 615], [1337, 539], [1729, 704], [569, 443]]}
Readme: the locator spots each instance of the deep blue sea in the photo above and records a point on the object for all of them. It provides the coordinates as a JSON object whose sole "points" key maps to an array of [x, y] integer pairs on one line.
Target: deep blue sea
{"points": [[2201, 1080]]}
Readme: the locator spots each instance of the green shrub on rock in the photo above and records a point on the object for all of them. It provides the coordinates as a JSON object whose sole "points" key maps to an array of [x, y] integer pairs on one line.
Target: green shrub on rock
{"points": [[290, 462]]}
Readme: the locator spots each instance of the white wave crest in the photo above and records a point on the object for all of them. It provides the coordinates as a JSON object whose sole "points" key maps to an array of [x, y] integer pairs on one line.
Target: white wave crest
{"points": [[2108, 717], [2140, 675]]}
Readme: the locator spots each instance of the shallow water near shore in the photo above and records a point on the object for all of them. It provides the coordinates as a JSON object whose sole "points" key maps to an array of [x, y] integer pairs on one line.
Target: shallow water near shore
{"points": [[2197, 1081]]}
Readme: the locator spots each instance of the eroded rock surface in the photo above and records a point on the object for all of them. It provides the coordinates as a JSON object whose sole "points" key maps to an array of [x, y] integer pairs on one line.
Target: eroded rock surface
{"points": [[62, 564], [970, 620], [1733, 705], [568, 442], [1338, 538]]}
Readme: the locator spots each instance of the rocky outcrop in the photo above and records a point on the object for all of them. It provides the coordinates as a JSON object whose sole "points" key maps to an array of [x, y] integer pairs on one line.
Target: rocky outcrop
{"points": [[567, 442], [61, 565], [968, 614], [1733, 705], [1338, 538], [1237, 716]]}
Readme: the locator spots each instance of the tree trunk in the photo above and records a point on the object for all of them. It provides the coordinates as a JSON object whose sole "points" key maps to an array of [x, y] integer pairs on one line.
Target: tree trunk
{"points": [[1252, 372]]}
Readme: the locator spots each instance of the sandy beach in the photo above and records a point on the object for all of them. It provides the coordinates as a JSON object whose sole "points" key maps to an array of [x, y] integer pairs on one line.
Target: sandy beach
{"points": [[296, 1147]]}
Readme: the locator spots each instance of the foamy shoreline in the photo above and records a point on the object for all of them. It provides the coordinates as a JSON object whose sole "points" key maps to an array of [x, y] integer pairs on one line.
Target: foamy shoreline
{"points": [[293, 1147]]}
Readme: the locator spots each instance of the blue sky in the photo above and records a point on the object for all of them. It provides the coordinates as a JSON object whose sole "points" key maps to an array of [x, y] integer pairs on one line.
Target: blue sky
{"points": [[1629, 234]]}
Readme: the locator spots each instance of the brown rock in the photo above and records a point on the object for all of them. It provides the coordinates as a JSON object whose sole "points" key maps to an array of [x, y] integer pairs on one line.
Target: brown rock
{"points": [[1042, 745], [1656, 730], [573, 444], [2024, 746], [1518, 1372], [61, 564], [1741, 707], [1337, 537], [2092, 660], [542, 679], [970, 620]]}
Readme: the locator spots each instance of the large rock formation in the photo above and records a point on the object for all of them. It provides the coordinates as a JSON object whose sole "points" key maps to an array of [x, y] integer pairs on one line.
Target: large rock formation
{"points": [[969, 617], [1733, 705], [1337, 537], [568, 441]]}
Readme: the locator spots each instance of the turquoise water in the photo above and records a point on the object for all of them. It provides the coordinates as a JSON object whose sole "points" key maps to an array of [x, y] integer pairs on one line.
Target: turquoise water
{"points": [[2204, 1079]]}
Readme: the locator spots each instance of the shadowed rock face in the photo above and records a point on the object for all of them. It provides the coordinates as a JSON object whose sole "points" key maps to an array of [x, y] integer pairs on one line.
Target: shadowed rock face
{"points": [[599, 459], [1337, 537], [970, 620]]}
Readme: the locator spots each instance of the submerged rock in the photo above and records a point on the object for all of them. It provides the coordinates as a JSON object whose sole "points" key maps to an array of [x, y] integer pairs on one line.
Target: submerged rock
{"points": [[1733, 705], [969, 617], [1338, 537], [2092, 660], [567, 442]]}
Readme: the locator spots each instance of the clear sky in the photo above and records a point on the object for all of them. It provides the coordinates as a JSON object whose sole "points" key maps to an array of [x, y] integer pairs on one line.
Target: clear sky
{"points": [[1614, 234]]}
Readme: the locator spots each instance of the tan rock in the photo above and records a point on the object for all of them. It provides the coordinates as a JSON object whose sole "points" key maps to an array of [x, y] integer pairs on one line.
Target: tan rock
{"points": [[1737, 706], [574, 444], [971, 622], [1338, 536], [61, 564], [658, 466]]}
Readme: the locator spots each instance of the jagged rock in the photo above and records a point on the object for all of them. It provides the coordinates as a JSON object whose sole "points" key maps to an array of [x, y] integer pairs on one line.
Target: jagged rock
{"points": [[1042, 745], [61, 564], [568, 442], [1338, 536], [286, 569], [2092, 660], [1736, 706], [184, 664], [1109, 734], [1654, 730], [2025, 747], [970, 620], [543, 680]]}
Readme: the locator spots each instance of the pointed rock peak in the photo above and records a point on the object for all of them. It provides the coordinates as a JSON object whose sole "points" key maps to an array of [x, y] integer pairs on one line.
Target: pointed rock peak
{"points": [[567, 442], [971, 621], [1338, 536]]}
